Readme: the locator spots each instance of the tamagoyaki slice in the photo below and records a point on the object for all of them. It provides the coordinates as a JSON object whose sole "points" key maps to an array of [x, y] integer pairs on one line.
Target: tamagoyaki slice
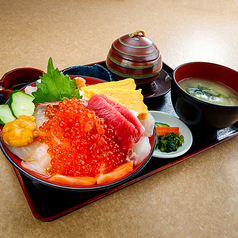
{"points": [[128, 83]]}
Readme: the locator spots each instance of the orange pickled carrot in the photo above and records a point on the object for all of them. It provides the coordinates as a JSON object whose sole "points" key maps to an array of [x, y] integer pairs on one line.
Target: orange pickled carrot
{"points": [[116, 174], [80, 82], [63, 179], [163, 130]]}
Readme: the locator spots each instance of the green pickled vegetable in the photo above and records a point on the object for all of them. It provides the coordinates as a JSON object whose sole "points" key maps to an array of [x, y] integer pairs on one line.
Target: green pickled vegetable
{"points": [[169, 142]]}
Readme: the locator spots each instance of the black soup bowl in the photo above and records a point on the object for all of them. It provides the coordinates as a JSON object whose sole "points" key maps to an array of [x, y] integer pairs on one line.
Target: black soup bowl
{"points": [[195, 112]]}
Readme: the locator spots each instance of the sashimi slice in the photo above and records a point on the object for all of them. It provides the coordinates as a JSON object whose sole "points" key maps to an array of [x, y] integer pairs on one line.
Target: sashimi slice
{"points": [[40, 112], [116, 174], [148, 124], [131, 99], [141, 150], [128, 115], [40, 115], [39, 161], [24, 152], [73, 181], [124, 131]]}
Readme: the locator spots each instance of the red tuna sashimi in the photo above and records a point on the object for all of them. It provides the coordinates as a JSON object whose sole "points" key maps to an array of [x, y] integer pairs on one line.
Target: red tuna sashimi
{"points": [[128, 115], [124, 130]]}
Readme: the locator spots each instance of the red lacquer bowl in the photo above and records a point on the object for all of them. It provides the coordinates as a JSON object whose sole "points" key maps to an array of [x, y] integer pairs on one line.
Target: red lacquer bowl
{"points": [[16, 162], [18, 78], [195, 112]]}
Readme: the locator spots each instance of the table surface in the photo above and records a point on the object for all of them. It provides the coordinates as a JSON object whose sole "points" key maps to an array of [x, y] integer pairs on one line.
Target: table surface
{"points": [[196, 198]]}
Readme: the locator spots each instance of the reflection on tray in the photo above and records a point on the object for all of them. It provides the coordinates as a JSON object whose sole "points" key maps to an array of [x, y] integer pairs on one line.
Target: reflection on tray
{"points": [[159, 87]]}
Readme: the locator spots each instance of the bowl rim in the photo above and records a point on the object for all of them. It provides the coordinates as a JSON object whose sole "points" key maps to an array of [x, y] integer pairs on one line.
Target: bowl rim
{"points": [[194, 98]]}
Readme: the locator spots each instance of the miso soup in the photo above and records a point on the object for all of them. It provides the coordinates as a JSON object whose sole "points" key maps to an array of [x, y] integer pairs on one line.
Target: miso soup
{"points": [[210, 91]]}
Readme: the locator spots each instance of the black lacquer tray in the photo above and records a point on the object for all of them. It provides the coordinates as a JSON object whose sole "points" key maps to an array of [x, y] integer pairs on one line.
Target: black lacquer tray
{"points": [[48, 204]]}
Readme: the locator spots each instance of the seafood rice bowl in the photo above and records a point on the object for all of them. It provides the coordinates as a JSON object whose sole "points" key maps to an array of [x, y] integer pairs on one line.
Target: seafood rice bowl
{"points": [[83, 136]]}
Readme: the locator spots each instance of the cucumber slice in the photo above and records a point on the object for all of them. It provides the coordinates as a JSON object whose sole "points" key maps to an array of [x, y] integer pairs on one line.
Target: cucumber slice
{"points": [[5, 114], [160, 124], [21, 103]]}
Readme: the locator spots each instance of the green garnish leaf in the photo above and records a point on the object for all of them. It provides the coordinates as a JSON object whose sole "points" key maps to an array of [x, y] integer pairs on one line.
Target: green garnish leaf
{"points": [[55, 86]]}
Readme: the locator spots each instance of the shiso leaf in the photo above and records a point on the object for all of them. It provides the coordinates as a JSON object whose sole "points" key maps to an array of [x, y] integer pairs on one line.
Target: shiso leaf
{"points": [[55, 86]]}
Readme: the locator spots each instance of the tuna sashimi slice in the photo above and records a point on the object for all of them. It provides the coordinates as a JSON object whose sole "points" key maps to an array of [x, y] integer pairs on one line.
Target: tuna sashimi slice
{"points": [[128, 115], [124, 130]]}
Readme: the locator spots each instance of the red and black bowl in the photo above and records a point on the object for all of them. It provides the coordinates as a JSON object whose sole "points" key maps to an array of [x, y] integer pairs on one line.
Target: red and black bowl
{"points": [[16, 162], [195, 112]]}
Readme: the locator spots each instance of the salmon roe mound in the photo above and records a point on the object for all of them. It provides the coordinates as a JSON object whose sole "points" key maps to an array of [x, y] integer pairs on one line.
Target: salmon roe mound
{"points": [[79, 142]]}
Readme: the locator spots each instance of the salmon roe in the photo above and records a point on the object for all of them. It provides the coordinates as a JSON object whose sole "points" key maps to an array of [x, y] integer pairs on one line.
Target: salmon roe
{"points": [[79, 142]]}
